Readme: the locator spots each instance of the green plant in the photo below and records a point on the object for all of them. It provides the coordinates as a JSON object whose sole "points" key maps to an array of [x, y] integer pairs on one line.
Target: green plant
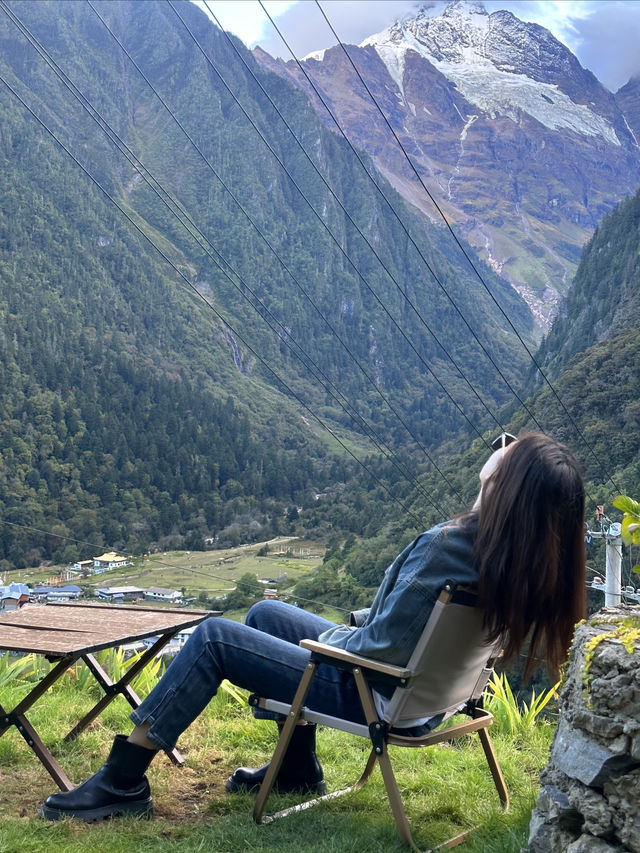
{"points": [[235, 693], [10, 670], [82, 678], [630, 522], [116, 665], [512, 715]]}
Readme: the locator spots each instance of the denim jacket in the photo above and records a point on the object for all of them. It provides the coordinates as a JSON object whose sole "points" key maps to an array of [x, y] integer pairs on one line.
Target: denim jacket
{"points": [[407, 594]]}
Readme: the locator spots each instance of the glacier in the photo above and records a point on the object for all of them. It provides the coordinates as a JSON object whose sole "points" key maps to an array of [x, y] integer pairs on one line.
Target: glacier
{"points": [[459, 48]]}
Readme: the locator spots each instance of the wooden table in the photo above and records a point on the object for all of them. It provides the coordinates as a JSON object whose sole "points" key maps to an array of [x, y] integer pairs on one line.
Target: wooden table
{"points": [[65, 633]]}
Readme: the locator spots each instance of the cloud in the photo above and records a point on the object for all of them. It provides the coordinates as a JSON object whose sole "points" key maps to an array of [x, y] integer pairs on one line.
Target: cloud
{"points": [[306, 30], [610, 43], [603, 34]]}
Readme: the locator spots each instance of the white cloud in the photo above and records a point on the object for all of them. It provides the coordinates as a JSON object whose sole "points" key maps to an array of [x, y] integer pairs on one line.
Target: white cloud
{"points": [[245, 18], [603, 34]]}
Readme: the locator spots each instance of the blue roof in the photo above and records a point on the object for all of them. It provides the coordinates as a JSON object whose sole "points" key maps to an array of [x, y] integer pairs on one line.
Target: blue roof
{"points": [[43, 590], [14, 590]]}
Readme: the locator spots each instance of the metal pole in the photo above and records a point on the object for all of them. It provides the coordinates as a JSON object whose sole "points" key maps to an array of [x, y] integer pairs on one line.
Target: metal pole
{"points": [[613, 585]]}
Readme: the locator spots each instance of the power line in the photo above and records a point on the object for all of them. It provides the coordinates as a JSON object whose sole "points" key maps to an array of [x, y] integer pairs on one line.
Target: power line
{"points": [[302, 289], [391, 208], [200, 296], [468, 258], [187, 222], [448, 296], [384, 198], [323, 223]]}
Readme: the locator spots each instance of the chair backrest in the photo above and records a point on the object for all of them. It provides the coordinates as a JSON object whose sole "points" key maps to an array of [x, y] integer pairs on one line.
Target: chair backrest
{"points": [[452, 661]]}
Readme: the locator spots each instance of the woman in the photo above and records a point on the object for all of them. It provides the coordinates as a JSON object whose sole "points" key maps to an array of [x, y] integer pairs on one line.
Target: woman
{"points": [[521, 545]]}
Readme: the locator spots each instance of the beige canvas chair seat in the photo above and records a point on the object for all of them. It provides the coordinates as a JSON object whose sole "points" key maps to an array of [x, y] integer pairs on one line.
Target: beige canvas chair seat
{"points": [[447, 672]]}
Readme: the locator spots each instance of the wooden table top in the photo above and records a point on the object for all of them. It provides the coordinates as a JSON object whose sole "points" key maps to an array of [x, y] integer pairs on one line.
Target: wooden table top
{"points": [[71, 629]]}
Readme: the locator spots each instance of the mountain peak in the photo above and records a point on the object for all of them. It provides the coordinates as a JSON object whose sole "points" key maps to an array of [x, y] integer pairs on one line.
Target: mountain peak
{"points": [[500, 65]]}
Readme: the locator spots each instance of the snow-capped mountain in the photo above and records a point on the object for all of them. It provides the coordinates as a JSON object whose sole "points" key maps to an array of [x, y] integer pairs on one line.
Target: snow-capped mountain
{"points": [[523, 148], [500, 65]]}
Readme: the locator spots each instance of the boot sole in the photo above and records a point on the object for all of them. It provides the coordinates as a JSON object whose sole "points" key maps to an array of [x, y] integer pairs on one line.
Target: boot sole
{"points": [[139, 808]]}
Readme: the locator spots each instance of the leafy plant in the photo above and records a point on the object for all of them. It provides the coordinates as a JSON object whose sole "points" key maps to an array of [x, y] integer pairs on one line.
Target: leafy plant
{"points": [[82, 678], [10, 670], [630, 522], [235, 693], [116, 665], [514, 716]]}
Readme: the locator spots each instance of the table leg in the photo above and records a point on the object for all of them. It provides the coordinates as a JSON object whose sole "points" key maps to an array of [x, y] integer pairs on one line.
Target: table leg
{"points": [[32, 738], [17, 718], [122, 687]]}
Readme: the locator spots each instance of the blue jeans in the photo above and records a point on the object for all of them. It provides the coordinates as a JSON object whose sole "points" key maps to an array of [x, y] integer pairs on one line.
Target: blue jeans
{"points": [[262, 656]]}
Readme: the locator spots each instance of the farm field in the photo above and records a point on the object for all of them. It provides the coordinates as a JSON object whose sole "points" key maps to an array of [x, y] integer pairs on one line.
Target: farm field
{"points": [[211, 572]]}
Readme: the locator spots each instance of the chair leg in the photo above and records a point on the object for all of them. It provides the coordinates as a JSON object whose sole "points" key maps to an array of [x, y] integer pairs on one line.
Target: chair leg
{"points": [[395, 800], [494, 767], [307, 804], [283, 741], [293, 716]]}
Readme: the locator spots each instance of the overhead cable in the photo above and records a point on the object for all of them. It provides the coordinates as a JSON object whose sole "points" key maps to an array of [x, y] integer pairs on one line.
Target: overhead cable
{"points": [[174, 207], [337, 242], [353, 223], [201, 296], [468, 258], [401, 420]]}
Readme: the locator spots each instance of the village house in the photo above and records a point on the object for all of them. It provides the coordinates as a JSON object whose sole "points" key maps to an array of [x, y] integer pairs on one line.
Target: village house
{"points": [[14, 596], [158, 593], [120, 593], [70, 592], [110, 560]]}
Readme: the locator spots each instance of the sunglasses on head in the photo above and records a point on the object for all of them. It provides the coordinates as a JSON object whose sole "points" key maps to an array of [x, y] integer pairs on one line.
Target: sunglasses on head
{"points": [[502, 441]]}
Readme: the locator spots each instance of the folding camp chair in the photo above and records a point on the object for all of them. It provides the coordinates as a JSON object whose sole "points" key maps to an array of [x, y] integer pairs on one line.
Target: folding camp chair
{"points": [[447, 673]]}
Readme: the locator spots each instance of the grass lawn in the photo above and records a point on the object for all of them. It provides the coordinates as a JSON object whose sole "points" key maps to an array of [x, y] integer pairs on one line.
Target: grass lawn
{"points": [[212, 572], [446, 789]]}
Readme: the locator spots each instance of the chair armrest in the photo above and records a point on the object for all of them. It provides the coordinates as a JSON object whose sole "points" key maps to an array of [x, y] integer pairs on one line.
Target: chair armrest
{"points": [[347, 660]]}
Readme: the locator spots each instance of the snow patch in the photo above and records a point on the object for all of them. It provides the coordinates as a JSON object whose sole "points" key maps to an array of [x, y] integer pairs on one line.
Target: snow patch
{"points": [[458, 43], [463, 132], [508, 94], [394, 60], [318, 55]]}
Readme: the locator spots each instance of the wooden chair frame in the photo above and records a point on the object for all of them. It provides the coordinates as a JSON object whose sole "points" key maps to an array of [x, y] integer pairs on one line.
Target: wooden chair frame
{"points": [[380, 731]]}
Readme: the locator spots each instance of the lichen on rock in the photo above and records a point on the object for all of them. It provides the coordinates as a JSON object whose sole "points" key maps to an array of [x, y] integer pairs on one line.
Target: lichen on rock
{"points": [[590, 796]]}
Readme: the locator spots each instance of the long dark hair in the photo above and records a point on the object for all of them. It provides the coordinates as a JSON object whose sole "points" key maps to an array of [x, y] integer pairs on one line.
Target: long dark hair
{"points": [[529, 550]]}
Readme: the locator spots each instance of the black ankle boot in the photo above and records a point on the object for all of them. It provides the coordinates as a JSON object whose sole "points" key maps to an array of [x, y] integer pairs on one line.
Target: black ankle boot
{"points": [[119, 787], [300, 769]]}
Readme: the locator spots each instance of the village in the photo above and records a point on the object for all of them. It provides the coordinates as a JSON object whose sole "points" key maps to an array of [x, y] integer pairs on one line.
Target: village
{"points": [[14, 595]]}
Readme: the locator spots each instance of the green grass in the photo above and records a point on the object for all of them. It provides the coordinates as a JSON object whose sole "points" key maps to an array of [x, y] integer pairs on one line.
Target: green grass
{"points": [[214, 572], [446, 788]]}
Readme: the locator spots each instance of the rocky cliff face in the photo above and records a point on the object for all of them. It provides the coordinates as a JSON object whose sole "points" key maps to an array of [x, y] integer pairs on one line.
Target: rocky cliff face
{"points": [[628, 99], [589, 801], [523, 149]]}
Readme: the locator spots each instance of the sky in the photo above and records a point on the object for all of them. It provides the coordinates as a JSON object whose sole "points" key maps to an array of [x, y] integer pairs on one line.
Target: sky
{"points": [[603, 34]]}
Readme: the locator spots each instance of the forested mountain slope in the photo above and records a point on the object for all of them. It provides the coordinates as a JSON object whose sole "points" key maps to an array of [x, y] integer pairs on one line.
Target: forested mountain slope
{"points": [[131, 412], [592, 352], [588, 398], [522, 147], [603, 301]]}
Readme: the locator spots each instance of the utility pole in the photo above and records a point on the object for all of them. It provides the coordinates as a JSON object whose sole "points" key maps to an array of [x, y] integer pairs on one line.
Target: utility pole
{"points": [[611, 533]]}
